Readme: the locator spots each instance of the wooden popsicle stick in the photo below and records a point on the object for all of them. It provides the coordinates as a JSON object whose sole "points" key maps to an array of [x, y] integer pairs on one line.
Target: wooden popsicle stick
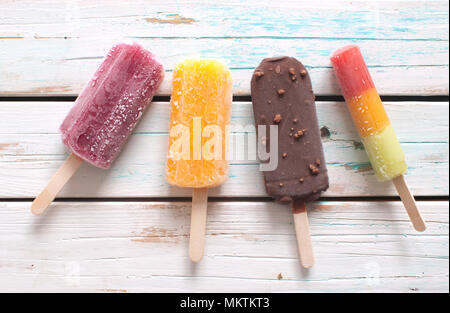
{"points": [[409, 203], [303, 236], [59, 179], [198, 223]]}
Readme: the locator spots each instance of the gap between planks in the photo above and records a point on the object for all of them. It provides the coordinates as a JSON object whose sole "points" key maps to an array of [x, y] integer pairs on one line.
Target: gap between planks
{"points": [[236, 98], [228, 199]]}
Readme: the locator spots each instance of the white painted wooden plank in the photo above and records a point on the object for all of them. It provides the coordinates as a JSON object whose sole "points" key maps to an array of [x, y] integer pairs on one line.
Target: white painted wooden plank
{"points": [[126, 246], [31, 151], [140, 172], [53, 67], [64, 43], [251, 18], [25, 118], [237, 53], [397, 81]]}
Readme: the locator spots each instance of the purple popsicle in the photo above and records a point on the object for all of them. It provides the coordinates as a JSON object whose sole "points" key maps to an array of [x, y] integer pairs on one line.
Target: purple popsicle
{"points": [[112, 103], [105, 113]]}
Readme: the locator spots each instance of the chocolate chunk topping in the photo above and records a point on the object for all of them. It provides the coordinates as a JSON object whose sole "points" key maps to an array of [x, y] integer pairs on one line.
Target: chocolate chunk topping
{"points": [[295, 120], [298, 134], [278, 69], [284, 155], [314, 170], [301, 180], [277, 119], [318, 162], [259, 74], [292, 73], [281, 184], [303, 73], [281, 91]]}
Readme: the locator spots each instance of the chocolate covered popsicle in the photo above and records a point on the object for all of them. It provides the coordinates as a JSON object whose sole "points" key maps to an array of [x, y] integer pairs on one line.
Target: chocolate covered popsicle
{"points": [[282, 95]]}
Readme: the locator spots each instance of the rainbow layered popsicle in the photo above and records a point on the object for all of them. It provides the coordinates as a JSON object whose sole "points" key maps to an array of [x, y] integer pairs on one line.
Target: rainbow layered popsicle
{"points": [[372, 122], [374, 127]]}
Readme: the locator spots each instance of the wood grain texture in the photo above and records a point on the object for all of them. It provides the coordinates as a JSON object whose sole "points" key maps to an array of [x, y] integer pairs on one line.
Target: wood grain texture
{"points": [[43, 44], [31, 152], [409, 203], [53, 47], [250, 18], [250, 246], [56, 183], [304, 243]]}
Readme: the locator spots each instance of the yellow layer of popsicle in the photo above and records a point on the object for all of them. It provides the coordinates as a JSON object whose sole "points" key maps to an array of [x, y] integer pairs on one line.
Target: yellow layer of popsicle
{"points": [[202, 91], [385, 154], [368, 113]]}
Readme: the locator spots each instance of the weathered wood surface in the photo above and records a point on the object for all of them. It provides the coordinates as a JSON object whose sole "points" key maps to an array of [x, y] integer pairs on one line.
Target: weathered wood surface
{"points": [[44, 43], [250, 246], [31, 150], [52, 48]]}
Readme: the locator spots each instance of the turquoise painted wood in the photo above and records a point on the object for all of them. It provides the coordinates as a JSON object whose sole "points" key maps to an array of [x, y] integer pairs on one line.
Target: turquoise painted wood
{"points": [[46, 43], [374, 20]]}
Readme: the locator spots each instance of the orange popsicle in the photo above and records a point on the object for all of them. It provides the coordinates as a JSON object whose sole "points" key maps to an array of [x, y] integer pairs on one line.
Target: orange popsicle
{"points": [[201, 104], [200, 113]]}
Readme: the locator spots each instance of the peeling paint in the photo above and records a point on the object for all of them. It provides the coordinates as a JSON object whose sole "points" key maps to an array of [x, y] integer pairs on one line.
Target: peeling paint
{"points": [[337, 189], [325, 132], [358, 167], [331, 207], [247, 237], [172, 19], [36, 36], [4, 146], [40, 90], [154, 234], [358, 145], [114, 290]]}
